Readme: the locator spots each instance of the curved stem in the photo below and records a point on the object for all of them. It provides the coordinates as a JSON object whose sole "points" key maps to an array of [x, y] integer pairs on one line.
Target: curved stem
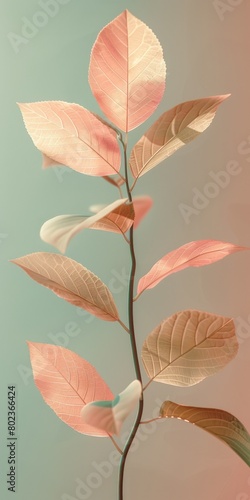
{"points": [[132, 333]]}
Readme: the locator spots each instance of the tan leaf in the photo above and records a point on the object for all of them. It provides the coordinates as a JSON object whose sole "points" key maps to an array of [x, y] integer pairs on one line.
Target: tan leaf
{"points": [[71, 281], [219, 423], [188, 347], [171, 131]]}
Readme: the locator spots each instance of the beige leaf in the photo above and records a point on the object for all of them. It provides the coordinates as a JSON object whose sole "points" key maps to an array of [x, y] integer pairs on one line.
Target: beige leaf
{"points": [[171, 131], [71, 281], [188, 347]]}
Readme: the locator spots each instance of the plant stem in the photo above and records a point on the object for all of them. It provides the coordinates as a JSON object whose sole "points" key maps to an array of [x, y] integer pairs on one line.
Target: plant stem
{"points": [[115, 444], [149, 421], [132, 332], [123, 326]]}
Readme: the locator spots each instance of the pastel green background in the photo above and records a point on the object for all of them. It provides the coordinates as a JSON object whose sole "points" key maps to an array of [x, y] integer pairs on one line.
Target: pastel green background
{"points": [[206, 54]]}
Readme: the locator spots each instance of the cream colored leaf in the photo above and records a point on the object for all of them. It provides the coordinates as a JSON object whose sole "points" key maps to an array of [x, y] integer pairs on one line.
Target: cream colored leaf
{"points": [[219, 423], [71, 281], [171, 131], [109, 416], [117, 217], [188, 347]]}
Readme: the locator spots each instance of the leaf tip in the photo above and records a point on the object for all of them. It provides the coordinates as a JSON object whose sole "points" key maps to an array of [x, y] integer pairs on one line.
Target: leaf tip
{"points": [[20, 105], [223, 97]]}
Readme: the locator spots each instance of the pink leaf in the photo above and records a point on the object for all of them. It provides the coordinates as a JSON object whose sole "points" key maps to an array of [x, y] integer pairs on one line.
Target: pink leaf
{"points": [[171, 131], [117, 217], [71, 281], [69, 134], [127, 71], [193, 254], [142, 205], [110, 415], [67, 383]]}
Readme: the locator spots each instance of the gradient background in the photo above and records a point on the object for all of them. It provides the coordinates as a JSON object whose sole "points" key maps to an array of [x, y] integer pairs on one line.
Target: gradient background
{"points": [[206, 54]]}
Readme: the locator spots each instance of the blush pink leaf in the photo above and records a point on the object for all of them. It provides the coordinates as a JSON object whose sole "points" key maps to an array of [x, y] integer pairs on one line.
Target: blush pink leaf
{"points": [[117, 217], [67, 383], [193, 254], [127, 71], [188, 347], [219, 423], [171, 131], [71, 281], [71, 135]]}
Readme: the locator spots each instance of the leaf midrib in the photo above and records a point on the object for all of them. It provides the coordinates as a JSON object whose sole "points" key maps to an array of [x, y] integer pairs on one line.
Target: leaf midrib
{"points": [[77, 136], [189, 350], [180, 265], [68, 291], [167, 143]]}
